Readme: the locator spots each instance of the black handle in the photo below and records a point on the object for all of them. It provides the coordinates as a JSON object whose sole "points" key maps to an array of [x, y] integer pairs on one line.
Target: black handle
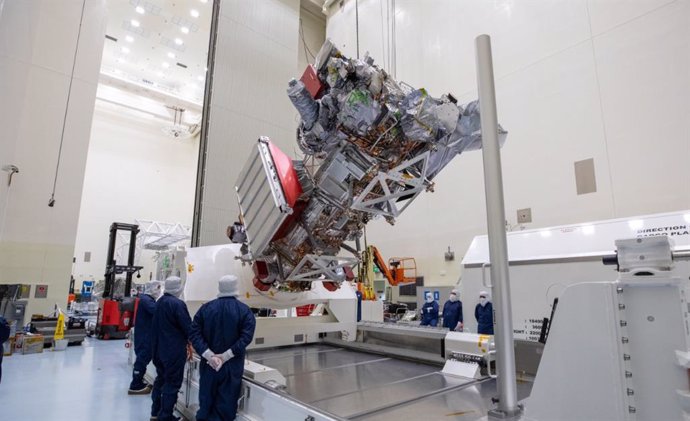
{"points": [[611, 260]]}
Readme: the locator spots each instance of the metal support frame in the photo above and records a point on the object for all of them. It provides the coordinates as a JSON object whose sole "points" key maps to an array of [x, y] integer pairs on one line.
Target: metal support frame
{"points": [[154, 235], [498, 247], [112, 268], [321, 265], [398, 176]]}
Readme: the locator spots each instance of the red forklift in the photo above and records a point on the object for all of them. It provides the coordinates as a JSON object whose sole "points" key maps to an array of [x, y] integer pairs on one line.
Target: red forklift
{"points": [[116, 313]]}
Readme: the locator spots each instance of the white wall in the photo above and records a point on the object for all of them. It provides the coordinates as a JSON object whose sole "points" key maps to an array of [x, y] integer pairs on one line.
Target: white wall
{"points": [[314, 32], [38, 40], [256, 56], [576, 79], [133, 171]]}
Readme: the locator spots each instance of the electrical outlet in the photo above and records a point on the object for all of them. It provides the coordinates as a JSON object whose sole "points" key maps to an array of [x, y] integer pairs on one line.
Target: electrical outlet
{"points": [[524, 216]]}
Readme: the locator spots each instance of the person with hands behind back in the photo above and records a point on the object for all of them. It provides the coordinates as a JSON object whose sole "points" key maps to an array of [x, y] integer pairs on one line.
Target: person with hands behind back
{"points": [[221, 331]]}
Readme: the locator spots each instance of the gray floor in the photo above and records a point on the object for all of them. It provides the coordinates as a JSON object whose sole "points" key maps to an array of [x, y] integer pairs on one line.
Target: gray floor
{"points": [[87, 382], [90, 382]]}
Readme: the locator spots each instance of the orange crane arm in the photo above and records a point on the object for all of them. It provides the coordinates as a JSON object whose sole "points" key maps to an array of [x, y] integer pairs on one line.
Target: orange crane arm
{"points": [[381, 264]]}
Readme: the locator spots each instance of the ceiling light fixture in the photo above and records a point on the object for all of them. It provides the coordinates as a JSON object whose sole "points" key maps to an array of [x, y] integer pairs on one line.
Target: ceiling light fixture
{"points": [[140, 10], [171, 55], [194, 13], [125, 50], [184, 30], [129, 38], [200, 78], [135, 23], [165, 64], [178, 41], [204, 1]]}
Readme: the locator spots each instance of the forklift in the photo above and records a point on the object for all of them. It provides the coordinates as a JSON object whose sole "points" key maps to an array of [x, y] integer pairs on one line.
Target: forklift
{"points": [[116, 314]]}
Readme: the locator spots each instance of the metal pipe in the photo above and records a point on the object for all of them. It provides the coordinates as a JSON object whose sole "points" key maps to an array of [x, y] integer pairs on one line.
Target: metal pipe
{"points": [[498, 247], [130, 258], [110, 263], [393, 63]]}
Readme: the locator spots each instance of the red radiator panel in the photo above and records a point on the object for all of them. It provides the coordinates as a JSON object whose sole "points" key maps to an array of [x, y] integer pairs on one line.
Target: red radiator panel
{"points": [[312, 82], [287, 175]]}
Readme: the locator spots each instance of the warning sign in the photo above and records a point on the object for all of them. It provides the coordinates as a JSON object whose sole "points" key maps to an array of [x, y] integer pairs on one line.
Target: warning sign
{"points": [[60, 327]]}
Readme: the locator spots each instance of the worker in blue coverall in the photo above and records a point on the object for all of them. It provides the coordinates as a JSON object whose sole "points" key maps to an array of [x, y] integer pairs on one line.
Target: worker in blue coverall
{"points": [[221, 331], [484, 313], [452, 312], [142, 336], [171, 328], [4, 336], [430, 312]]}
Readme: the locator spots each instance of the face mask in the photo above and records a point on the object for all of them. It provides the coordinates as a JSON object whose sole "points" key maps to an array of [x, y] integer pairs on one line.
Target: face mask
{"points": [[429, 299], [482, 301], [453, 298]]}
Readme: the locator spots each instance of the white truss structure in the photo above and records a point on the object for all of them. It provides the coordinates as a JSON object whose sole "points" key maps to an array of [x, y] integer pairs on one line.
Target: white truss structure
{"points": [[153, 235], [321, 267], [399, 188]]}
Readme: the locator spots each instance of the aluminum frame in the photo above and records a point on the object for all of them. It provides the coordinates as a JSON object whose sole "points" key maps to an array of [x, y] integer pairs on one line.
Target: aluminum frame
{"points": [[261, 198], [396, 175], [153, 235], [321, 266]]}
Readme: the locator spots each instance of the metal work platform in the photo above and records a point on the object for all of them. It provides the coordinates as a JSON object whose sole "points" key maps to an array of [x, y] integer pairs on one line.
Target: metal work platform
{"points": [[358, 385]]}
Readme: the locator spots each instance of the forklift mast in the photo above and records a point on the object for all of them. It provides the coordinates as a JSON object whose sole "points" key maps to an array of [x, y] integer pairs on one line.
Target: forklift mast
{"points": [[112, 268], [116, 315]]}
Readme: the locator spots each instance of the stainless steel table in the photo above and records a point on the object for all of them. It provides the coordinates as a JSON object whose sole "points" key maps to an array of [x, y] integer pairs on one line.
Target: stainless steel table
{"points": [[359, 385]]}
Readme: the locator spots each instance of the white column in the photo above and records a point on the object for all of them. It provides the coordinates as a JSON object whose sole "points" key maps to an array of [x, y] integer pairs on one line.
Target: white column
{"points": [[255, 56], [498, 247], [38, 71]]}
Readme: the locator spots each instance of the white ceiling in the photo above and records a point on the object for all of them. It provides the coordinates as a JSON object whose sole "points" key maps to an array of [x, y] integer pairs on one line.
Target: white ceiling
{"points": [[148, 54]]}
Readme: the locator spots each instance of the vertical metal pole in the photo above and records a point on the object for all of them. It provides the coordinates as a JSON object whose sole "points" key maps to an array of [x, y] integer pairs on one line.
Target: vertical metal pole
{"points": [[205, 124], [110, 263], [498, 247], [393, 64], [130, 258]]}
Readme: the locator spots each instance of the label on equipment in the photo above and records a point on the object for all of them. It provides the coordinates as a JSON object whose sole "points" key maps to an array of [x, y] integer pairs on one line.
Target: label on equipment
{"points": [[529, 330]]}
